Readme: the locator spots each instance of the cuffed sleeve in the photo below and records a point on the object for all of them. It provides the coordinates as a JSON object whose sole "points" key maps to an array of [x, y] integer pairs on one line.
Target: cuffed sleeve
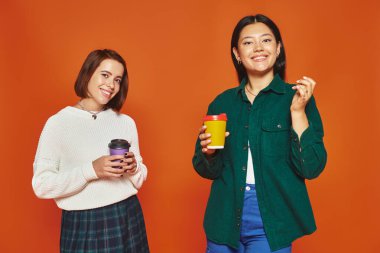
{"points": [[89, 172], [207, 167], [49, 183], [308, 153]]}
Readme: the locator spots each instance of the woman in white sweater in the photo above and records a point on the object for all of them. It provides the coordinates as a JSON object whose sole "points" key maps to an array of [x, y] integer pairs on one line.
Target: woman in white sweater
{"points": [[96, 191]]}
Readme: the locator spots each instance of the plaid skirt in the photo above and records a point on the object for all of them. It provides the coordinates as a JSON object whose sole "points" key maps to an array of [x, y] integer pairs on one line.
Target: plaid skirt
{"points": [[117, 228]]}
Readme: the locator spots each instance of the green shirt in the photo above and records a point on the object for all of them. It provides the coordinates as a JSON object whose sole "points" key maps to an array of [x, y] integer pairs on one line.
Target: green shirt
{"points": [[282, 161]]}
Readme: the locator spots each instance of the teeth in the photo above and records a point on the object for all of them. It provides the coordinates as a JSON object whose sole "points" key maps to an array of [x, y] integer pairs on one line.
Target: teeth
{"points": [[106, 92], [259, 57]]}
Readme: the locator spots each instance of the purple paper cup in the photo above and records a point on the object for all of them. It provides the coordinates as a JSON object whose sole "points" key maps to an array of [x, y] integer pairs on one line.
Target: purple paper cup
{"points": [[118, 147]]}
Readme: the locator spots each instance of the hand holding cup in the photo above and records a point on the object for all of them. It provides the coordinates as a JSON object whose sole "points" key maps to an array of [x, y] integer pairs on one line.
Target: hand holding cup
{"points": [[212, 134], [109, 166], [131, 166]]}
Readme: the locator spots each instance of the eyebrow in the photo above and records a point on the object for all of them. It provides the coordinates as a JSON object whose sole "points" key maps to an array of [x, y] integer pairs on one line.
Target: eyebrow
{"points": [[262, 35], [109, 73]]}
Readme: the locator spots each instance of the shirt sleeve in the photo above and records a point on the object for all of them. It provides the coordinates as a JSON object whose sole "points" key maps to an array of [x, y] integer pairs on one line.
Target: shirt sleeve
{"points": [[207, 167], [140, 175], [48, 181], [308, 153]]}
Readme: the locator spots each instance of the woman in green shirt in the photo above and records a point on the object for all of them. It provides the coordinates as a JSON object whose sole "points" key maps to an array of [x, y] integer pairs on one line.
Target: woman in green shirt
{"points": [[258, 200]]}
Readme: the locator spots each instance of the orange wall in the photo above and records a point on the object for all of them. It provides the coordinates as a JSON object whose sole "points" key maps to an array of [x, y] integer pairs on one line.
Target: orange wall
{"points": [[178, 60]]}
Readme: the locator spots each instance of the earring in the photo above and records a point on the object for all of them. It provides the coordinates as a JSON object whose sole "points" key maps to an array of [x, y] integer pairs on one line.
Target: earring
{"points": [[239, 62]]}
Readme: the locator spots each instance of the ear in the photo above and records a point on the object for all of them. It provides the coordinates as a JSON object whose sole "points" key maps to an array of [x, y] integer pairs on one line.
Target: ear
{"points": [[278, 51], [236, 53]]}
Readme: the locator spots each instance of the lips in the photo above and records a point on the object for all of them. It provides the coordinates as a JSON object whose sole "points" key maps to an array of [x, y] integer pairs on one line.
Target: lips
{"points": [[106, 93], [259, 58]]}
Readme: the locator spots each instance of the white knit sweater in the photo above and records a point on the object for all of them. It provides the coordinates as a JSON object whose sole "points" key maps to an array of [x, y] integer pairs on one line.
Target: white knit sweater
{"points": [[69, 142]]}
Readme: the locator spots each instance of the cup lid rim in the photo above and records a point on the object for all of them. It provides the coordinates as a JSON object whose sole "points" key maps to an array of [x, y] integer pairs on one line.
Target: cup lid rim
{"points": [[221, 116], [119, 144]]}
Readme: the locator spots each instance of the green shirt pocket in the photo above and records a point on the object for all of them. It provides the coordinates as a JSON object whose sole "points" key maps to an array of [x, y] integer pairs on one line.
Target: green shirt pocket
{"points": [[275, 137]]}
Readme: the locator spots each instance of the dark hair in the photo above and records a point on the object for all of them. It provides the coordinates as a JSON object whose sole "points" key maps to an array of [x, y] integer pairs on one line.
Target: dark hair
{"points": [[92, 62], [280, 64]]}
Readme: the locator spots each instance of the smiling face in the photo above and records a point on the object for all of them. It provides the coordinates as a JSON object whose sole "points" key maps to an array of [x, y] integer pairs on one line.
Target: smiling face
{"points": [[104, 83], [257, 49]]}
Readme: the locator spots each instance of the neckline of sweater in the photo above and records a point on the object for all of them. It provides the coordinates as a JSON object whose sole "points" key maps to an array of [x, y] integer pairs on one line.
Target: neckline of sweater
{"points": [[83, 113]]}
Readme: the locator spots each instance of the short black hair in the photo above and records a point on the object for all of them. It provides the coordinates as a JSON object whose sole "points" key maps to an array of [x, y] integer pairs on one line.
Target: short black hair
{"points": [[92, 62], [280, 64]]}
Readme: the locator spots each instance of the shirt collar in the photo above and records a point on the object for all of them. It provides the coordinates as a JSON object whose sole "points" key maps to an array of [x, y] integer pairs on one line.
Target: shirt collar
{"points": [[276, 85]]}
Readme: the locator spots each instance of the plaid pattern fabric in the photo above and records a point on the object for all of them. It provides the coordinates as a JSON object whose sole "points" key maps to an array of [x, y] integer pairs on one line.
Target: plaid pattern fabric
{"points": [[117, 228]]}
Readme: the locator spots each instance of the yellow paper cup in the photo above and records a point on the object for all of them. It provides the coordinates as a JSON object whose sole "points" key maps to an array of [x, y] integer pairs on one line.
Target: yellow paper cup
{"points": [[216, 126]]}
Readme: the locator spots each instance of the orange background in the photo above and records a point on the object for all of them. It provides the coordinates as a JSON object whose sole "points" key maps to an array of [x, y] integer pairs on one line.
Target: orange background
{"points": [[178, 59]]}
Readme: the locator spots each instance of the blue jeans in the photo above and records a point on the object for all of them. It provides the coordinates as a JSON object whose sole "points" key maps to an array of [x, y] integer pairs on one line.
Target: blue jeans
{"points": [[252, 235]]}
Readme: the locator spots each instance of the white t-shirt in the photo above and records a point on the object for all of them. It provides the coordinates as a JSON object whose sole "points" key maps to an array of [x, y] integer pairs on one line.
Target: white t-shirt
{"points": [[250, 173]]}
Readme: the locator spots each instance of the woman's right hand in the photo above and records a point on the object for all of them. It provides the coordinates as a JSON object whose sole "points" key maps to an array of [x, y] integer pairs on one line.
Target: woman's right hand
{"points": [[103, 166], [205, 139]]}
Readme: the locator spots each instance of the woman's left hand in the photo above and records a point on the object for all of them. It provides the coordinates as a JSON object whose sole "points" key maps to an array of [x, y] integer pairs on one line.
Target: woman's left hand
{"points": [[305, 88], [131, 161]]}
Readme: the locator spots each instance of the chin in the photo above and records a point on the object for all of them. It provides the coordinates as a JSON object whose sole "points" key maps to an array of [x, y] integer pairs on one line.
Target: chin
{"points": [[103, 101]]}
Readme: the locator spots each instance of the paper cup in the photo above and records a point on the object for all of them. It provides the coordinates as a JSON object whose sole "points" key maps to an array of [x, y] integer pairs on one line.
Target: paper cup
{"points": [[118, 147], [216, 126]]}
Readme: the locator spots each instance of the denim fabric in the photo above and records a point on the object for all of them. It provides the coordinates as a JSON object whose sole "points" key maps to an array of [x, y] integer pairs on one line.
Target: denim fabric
{"points": [[252, 234]]}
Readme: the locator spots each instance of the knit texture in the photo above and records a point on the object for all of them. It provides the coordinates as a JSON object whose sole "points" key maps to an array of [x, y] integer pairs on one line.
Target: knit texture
{"points": [[69, 142]]}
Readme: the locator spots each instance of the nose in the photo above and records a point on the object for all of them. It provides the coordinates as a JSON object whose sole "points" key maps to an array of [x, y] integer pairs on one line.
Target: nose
{"points": [[257, 47], [109, 83]]}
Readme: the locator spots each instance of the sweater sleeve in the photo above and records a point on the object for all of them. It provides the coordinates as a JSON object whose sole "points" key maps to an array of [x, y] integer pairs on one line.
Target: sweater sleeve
{"points": [[308, 153], [207, 167], [48, 181], [141, 172]]}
